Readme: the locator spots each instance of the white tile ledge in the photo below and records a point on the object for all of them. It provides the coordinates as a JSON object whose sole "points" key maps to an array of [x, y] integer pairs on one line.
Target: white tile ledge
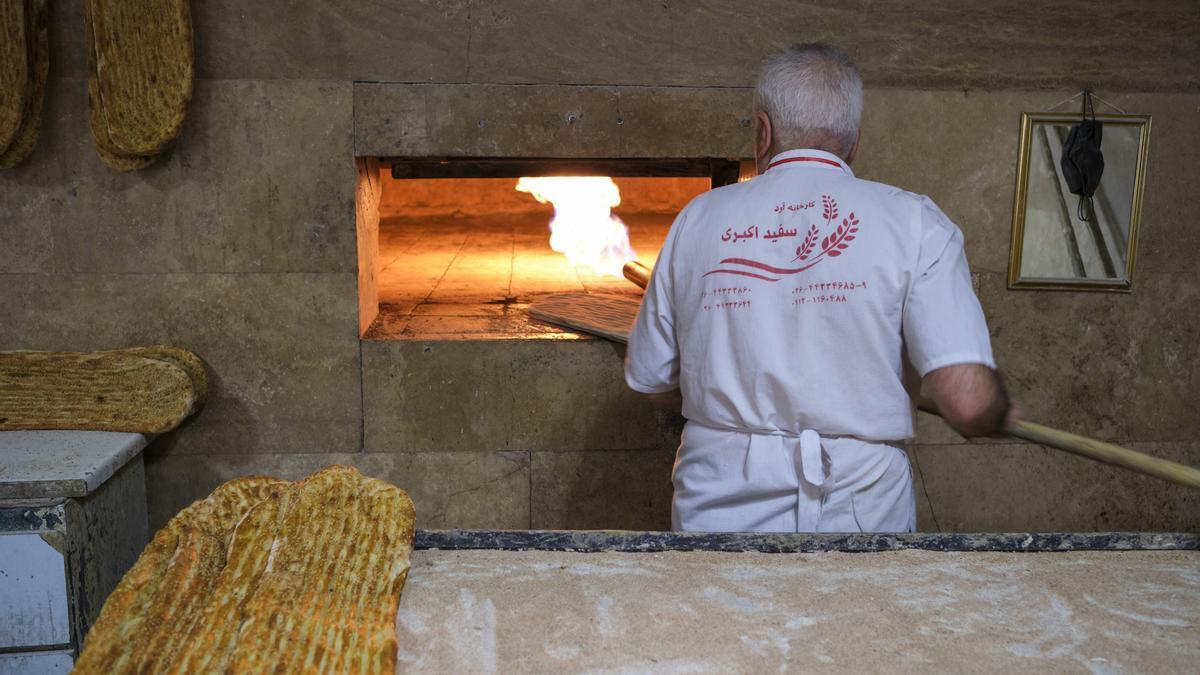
{"points": [[43, 464]]}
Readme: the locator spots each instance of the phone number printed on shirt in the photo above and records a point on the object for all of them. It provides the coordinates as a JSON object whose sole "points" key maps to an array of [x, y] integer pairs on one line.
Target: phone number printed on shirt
{"points": [[820, 293], [730, 304], [727, 291]]}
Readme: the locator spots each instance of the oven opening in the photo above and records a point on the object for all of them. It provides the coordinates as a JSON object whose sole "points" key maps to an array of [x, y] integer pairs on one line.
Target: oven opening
{"points": [[462, 247]]}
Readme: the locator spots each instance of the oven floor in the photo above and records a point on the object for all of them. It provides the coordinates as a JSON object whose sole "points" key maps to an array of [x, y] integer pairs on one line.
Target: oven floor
{"points": [[473, 278]]}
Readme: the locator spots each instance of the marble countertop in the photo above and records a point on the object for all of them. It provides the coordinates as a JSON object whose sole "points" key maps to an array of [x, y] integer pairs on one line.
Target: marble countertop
{"points": [[39, 464], [736, 612]]}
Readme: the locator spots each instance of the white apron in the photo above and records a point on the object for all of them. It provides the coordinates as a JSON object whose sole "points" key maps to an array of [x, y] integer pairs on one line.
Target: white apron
{"points": [[733, 481]]}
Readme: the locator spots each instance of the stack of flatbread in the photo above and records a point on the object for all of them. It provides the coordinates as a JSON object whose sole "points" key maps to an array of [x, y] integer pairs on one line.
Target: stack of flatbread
{"points": [[265, 576], [24, 64], [147, 390], [140, 70]]}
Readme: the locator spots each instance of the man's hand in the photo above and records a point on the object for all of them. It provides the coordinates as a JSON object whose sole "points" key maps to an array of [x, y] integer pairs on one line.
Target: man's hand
{"points": [[971, 398], [1016, 412]]}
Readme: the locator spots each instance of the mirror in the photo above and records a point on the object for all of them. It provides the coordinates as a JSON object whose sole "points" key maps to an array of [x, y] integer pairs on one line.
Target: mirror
{"points": [[1052, 247]]}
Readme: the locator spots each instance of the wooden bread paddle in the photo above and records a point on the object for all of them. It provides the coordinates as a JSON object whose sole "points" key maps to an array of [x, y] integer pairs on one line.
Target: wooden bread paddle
{"points": [[1091, 448], [613, 317]]}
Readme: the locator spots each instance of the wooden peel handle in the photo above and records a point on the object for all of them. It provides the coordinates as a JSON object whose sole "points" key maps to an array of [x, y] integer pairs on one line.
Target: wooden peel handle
{"points": [[1097, 450], [637, 273]]}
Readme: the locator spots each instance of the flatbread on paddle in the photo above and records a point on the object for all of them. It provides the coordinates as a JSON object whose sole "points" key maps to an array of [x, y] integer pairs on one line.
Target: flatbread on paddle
{"points": [[609, 316], [189, 362]]}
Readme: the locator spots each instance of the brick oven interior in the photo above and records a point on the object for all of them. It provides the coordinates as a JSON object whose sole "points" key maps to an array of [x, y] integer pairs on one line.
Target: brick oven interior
{"points": [[462, 258]]}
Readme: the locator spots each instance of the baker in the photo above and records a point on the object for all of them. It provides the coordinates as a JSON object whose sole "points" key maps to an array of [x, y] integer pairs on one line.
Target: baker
{"points": [[794, 316]]}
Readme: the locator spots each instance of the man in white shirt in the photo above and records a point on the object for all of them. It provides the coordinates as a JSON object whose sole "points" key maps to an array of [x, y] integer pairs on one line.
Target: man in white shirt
{"points": [[796, 314]]}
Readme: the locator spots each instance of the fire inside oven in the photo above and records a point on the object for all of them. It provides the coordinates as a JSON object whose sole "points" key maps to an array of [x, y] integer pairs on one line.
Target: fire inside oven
{"points": [[466, 245]]}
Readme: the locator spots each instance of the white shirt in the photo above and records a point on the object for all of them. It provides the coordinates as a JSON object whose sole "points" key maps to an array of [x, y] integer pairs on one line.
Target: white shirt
{"points": [[793, 301]]}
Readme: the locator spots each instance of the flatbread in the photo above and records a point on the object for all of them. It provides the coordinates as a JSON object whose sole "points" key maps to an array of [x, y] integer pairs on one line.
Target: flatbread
{"points": [[265, 576], [100, 391], [327, 601], [210, 642], [113, 156], [609, 316], [162, 596], [189, 362], [38, 51], [14, 68], [143, 66]]}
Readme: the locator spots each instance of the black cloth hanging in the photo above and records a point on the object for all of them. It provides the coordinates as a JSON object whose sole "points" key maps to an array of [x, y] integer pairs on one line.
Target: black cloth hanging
{"points": [[1082, 160]]}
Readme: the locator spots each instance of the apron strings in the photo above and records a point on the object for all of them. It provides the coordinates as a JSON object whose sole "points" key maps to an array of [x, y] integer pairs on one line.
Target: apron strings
{"points": [[810, 492], [808, 459]]}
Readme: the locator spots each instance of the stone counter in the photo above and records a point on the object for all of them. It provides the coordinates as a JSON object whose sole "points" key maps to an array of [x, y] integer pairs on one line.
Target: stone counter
{"points": [[706, 611]]}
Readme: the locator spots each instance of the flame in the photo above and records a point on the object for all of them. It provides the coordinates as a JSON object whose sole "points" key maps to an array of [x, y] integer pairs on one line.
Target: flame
{"points": [[583, 227]]}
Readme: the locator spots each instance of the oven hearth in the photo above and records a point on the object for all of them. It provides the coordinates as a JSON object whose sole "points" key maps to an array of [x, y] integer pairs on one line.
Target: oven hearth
{"points": [[462, 254]]}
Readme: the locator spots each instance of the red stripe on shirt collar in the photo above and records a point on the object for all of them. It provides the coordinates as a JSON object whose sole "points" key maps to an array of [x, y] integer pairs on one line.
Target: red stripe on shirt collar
{"points": [[822, 160]]}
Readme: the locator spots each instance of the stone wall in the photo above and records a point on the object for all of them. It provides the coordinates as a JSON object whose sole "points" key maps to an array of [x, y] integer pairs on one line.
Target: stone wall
{"points": [[241, 244]]}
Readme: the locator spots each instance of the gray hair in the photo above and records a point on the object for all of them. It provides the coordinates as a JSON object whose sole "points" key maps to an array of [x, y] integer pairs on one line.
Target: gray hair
{"points": [[813, 95]]}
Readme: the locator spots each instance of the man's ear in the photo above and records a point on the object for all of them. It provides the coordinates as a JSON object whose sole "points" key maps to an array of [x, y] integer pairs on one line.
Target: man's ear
{"points": [[762, 137], [854, 148]]}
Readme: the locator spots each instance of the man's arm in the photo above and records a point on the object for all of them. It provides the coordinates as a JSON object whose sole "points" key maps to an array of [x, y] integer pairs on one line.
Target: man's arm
{"points": [[652, 357], [946, 335], [671, 401], [971, 398]]}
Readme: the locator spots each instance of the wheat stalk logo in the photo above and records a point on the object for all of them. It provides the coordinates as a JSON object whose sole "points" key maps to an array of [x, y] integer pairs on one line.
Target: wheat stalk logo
{"points": [[832, 246]]}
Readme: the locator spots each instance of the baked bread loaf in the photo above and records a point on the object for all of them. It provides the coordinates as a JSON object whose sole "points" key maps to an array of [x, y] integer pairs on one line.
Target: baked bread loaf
{"points": [[308, 579], [37, 49], [150, 612], [140, 73], [143, 68], [187, 361], [109, 153], [14, 69], [147, 390]]}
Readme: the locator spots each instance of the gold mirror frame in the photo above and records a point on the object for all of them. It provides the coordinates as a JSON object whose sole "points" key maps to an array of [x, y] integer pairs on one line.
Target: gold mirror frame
{"points": [[1021, 193]]}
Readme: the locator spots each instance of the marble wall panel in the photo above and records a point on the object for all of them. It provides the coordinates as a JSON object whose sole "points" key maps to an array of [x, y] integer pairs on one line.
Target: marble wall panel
{"points": [[1118, 367], [449, 490], [261, 180], [502, 395], [425, 40], [281, 349], [602, 489], [912, 44], [1027, 488]]}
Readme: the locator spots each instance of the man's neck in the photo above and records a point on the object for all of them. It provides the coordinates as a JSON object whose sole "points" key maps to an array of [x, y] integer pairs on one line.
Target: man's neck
{"points": [[775, 151], [833, 149]]}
